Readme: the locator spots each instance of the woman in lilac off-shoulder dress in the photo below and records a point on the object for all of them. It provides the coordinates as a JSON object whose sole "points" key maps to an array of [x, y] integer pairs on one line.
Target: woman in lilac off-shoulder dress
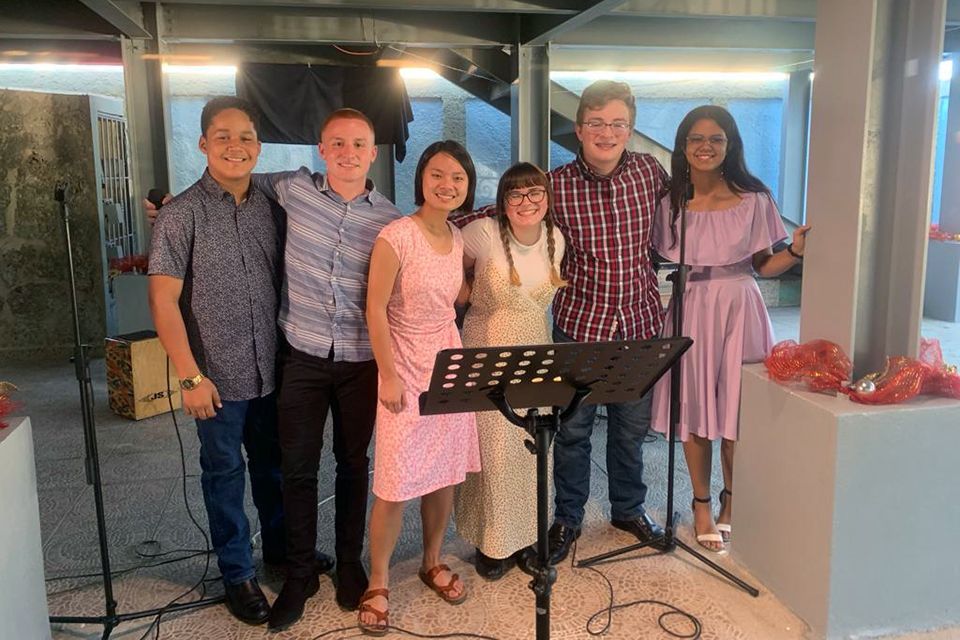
{"points": [[732, 225]]}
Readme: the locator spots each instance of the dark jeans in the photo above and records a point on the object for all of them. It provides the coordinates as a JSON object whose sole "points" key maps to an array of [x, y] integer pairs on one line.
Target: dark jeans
{"points": [[310, 387], [252, 424], [627, 425]]}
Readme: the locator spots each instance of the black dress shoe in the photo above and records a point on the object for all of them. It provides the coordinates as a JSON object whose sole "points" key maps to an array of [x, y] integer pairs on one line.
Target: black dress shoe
{"points": [[288, 607], [351, 584], [247, 602], [643, 527], [322, 562], [561, 538], [492, 568]]}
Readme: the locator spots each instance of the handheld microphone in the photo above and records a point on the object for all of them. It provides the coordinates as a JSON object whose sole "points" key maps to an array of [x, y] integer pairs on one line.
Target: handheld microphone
{"points": [[155, 197]]}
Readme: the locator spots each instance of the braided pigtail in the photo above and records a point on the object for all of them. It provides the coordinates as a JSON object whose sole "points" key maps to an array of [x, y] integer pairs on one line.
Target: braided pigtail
{"points": [[555, 278], [505, 239]]}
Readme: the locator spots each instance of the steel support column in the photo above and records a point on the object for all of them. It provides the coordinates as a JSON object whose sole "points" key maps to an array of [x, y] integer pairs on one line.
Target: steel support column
{"points": [[148, 114], [530, 107], [870, 173]]}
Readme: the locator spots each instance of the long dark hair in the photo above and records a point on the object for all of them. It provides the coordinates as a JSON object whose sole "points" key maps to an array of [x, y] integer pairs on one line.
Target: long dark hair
{"points": [[734, 167], [520, 175], [456, 151]]}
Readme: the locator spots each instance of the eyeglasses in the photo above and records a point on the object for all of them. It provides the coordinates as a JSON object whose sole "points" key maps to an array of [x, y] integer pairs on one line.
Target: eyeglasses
{"points": [[597, 126], [515, 198], [698, 140]]}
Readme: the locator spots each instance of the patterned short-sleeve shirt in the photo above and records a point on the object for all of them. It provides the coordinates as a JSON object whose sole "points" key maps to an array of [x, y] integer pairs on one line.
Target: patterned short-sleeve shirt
{"points": [[229, 258]]}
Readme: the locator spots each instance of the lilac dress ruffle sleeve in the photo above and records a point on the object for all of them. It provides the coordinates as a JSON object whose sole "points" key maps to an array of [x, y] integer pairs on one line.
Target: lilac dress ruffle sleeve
{"points": [[723, 311]]}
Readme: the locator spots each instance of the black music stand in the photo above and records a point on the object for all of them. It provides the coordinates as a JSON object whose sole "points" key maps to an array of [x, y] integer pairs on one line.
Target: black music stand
{"points": [[562, 376]]}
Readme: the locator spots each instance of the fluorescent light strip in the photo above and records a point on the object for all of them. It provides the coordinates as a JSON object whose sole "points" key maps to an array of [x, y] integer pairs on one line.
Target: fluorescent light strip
{"points": [[750, 76], [946, 70], [47, 66]]}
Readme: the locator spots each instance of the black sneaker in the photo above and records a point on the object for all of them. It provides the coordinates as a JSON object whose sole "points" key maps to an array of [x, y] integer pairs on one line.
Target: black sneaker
{"points": [[491, 568]]}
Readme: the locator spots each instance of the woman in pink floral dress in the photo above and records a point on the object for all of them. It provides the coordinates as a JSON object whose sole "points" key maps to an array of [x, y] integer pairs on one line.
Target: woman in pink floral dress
{"points": [[415, 276]]}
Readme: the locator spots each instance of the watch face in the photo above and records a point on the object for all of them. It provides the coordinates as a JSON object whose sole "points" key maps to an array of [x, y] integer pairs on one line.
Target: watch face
{"points": [[190, 383]]}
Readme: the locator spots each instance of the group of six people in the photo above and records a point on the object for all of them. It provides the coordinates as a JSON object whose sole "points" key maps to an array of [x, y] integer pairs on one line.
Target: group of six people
{"points": [[281, 298]]}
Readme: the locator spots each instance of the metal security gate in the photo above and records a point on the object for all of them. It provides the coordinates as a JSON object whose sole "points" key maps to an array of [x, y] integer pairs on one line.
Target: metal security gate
{"points": [[120, 232]]}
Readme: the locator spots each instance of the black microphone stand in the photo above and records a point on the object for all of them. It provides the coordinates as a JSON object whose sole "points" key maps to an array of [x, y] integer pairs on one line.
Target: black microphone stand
{"points": [[111, 618], [668, 541]]}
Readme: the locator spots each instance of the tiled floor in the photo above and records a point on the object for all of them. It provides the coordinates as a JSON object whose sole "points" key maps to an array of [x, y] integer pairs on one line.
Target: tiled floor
{"points": [[145, 513]]}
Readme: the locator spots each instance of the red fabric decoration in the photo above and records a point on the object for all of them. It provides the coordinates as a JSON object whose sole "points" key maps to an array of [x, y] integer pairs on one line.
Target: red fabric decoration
{"points": [[821, 365], [6, 408]]}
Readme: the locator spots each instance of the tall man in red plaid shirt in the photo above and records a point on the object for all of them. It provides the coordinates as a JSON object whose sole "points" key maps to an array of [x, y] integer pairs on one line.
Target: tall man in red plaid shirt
{"points": [[605, 203]]}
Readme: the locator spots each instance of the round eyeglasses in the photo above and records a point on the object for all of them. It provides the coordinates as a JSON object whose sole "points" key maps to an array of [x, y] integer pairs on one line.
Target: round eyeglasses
{"points": [[698, 140], [515, 198]]}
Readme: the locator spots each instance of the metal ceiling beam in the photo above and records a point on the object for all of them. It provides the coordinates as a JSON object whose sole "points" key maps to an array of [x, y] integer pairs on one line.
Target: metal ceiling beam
{"points": [[782, 9], [706, 33], [437, 6], [539, 30], [129, 21], [212, 24], [676, 59]]}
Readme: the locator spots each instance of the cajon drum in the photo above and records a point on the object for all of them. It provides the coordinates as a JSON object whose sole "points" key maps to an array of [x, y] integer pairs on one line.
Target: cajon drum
{"points": [[136, 370]]}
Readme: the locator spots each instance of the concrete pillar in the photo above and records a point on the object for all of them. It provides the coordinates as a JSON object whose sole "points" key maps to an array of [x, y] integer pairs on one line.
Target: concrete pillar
{"points": [[530, 107], [793, 146], [147, 105], [870, 174]]}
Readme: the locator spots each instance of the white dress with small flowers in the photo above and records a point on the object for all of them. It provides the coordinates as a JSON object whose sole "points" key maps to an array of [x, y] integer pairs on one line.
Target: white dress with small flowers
{"points": [[496, 509]]}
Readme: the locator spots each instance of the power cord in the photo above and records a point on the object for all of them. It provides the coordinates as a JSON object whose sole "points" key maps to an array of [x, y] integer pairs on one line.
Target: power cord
{"points": [[201, 583], [401, 630], [608, 611]]}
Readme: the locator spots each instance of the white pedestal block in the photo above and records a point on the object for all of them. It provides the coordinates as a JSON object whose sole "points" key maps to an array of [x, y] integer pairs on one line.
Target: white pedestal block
{"points": [[941, 297], [850, 513], [23, 595]]}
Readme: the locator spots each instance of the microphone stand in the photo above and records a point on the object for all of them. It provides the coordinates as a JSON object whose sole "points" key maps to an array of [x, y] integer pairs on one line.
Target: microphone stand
{"points": [[668, 542], [111, 618]]}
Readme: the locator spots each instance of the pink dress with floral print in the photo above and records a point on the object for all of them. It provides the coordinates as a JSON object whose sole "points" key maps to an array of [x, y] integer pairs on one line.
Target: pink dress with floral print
{"points": [[415, 455]]}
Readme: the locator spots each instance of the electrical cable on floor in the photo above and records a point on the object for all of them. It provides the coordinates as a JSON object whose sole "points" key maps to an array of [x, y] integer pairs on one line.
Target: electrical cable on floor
{"points": [[201, 583], [608, 611], [401, 630]]}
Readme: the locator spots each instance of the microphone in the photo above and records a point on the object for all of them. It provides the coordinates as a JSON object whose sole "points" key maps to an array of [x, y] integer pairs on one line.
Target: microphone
{"points": [[155, 197]]}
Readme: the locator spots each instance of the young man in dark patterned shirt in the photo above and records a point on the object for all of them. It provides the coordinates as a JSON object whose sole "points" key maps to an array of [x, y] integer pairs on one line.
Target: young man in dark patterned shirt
{"points": [[215, 272]]}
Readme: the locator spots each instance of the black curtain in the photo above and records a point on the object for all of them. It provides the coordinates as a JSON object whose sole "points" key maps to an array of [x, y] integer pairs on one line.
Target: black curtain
{"points": [[295, 99]]}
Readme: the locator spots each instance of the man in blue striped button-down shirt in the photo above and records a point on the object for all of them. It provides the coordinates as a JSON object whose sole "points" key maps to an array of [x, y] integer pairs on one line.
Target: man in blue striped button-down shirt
{"points": [[328, 365]]}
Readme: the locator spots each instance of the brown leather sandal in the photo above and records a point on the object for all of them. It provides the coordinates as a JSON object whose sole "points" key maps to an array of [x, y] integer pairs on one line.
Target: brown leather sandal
{"points": [[444, 592], [382, 625]]}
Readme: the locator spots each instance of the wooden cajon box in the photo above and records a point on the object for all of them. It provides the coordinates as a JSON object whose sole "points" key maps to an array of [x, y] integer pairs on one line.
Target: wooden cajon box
{"points": [[136, 368]]}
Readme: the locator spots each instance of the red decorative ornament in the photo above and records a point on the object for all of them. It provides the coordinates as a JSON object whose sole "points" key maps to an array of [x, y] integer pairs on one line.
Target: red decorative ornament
{"points": [[6, 404], [822, 366], [942, 236]]}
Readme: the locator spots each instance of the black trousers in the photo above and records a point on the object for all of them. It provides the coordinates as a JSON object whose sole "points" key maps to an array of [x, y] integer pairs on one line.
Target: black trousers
{"points": [[311, 386]]}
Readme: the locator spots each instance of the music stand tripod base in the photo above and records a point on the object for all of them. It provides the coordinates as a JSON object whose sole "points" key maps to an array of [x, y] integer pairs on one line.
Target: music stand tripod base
{"points": [[563, 376]]}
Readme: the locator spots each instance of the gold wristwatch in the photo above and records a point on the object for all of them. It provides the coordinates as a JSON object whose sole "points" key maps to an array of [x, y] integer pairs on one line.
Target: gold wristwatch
{"points": [[189, 384]]}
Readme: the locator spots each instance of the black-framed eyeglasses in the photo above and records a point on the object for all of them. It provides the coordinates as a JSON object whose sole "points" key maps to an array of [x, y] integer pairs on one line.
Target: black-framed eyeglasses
{"points": [[536, 196], [617, 126], [698, 140]]}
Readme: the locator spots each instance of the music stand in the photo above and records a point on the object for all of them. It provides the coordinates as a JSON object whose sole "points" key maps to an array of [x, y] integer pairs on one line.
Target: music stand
{"points": [[562, 376]]}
